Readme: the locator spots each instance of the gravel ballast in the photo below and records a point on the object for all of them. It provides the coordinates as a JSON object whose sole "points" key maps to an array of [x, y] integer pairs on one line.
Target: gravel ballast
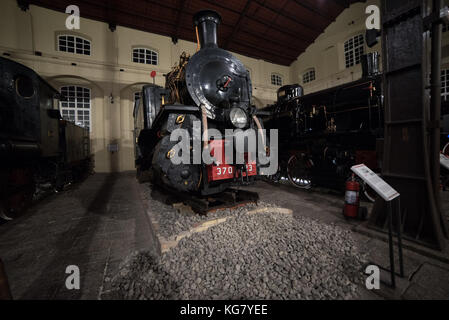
{"points": [[171, 222], [249, 256]]}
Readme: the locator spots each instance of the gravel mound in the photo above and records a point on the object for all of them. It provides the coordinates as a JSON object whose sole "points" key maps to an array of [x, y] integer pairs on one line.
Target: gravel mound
{"points": [[172, 222], [259, 256]]}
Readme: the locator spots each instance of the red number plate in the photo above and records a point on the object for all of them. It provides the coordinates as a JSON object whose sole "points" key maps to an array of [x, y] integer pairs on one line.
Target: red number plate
{"points": [[251, 168], [223, 172]]}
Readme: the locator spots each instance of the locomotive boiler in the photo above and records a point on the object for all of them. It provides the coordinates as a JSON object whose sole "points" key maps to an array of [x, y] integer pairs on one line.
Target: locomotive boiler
{"points": [[207, 92], [39, 151]]}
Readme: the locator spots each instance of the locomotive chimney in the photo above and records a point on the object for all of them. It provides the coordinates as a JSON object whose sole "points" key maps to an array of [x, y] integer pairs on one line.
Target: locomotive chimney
{"points": [[207, 21]]}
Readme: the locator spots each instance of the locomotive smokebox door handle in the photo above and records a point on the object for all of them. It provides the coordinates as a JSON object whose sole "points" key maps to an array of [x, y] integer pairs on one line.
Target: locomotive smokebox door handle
{"points": [[224, 83]]}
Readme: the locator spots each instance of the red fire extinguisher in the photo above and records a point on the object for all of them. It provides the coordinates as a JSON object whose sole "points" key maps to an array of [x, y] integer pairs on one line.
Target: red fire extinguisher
{"points": [[352, 201]]}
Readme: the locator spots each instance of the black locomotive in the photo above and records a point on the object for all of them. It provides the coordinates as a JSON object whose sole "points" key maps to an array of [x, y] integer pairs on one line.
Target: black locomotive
{"points": [[38, 150], [210, 91], [324, 133]]}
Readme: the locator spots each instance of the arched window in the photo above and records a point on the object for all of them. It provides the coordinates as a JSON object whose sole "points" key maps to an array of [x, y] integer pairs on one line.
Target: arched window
{"points": [[73, 44], [75, 105], [276, 79], [144, 55], [308, 76], [354, 49]]}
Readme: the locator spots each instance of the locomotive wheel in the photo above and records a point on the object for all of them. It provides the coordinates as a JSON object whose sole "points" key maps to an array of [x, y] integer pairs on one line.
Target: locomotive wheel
{"points": [[298, 173]]}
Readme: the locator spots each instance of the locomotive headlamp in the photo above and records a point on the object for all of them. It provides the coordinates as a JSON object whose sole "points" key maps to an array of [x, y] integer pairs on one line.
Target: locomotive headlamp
{"points": [[238, 117]]}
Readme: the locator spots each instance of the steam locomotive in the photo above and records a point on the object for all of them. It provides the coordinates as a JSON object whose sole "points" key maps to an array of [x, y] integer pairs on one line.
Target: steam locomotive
{"points": [[323, 134], [39, 151], [210, 91]]}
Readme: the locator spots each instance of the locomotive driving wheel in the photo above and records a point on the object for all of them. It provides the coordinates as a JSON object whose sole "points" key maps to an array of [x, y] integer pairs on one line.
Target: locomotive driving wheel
{"points": [[298, 172]]}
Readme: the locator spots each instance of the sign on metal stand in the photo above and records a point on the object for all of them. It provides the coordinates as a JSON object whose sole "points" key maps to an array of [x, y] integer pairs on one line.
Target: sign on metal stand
{"points": [[390, 195]]}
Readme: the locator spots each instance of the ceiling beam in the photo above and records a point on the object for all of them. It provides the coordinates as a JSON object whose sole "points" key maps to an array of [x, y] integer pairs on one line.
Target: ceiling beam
{"points": [[315, 11], [111, 15], [343, 3], [308, 37], [277, 16], [237, 25], [178, 18], [288, 16]]}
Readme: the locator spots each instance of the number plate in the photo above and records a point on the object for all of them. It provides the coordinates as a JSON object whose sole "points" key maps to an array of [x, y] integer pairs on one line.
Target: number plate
{"points": [[251, 168], [223, 172]]}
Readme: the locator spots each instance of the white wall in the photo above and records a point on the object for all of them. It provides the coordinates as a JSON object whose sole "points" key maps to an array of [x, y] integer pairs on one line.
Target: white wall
{"points": [[23, 33]]}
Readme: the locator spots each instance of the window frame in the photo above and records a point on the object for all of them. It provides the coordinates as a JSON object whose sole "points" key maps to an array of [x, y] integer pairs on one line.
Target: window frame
{"points": [[278, 79], [353, 52], [76, 105], [75, 37], [145, 57], [308, 73]]}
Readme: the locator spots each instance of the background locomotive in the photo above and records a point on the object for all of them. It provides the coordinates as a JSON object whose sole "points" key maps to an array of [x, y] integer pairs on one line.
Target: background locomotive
{"points": [[324, 133], [38, 150], [212, 88]]}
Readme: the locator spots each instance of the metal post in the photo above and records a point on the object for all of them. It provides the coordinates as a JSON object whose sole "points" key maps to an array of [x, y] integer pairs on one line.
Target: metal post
{"points": [[399, 221], [435, 100], [390, 244], [5, 292]]}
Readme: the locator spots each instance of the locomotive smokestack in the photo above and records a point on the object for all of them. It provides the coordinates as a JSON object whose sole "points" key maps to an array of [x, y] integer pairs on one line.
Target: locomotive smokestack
{"points": [[207, 22]]}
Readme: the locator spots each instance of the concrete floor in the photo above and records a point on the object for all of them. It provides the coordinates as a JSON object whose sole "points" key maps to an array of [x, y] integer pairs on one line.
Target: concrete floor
{"points": [[93, 225], [96, 224]]}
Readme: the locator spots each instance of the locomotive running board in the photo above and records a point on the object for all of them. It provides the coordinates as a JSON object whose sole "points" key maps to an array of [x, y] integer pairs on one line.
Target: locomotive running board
{"points": [[228, 199]]}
